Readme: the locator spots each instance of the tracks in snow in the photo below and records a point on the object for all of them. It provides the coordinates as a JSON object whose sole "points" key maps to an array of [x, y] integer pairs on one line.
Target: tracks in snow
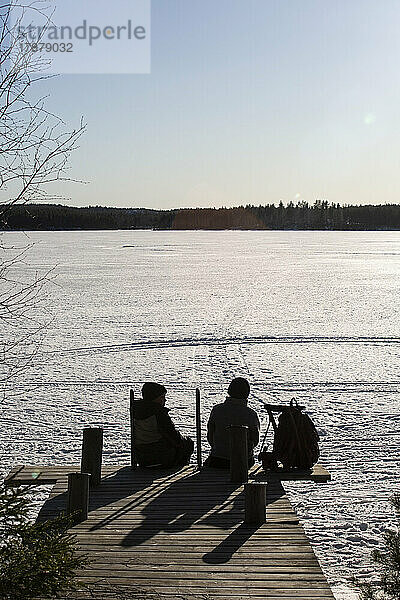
{"points": [[224, 341]]}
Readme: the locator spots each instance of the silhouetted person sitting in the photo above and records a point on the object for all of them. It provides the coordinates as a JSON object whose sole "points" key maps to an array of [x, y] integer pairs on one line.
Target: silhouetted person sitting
{"points": [[234, 411], [157, 441]]}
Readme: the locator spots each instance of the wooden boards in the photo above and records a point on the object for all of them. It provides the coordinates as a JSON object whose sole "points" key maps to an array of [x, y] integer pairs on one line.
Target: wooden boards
{"points": [[47, 475], [181, 535]]}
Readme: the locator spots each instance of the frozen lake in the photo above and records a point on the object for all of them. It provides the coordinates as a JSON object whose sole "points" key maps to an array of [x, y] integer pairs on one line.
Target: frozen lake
{"points": [[313, 315]]}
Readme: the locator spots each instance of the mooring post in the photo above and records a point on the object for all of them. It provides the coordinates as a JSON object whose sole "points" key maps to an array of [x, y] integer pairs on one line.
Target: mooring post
{"points": [[255, 500], [132, 421], [92, 452], [239, 465], [78, 496], [198, 429]]}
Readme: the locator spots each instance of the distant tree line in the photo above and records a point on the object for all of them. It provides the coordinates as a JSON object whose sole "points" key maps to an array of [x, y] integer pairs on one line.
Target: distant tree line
{"points": [[59, 217], [320, 215]]}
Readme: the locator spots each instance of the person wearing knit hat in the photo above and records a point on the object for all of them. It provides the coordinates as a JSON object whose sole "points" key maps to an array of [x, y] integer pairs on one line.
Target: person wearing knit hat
{"points": [[156, 439], [239, 388], [234, 411], [152, 391]]}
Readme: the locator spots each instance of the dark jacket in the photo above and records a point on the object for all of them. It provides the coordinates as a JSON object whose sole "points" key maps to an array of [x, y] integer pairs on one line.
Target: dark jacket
{"points": [[153, 423], [157, 441], [231, 412]]}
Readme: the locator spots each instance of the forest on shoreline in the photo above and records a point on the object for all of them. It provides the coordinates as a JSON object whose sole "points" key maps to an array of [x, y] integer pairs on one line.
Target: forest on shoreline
{"points": [[321, 216]]}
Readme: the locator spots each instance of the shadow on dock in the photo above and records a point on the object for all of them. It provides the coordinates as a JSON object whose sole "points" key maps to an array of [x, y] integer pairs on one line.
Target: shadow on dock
{"points": [[180, 534], [185, 502], [169, 505]]}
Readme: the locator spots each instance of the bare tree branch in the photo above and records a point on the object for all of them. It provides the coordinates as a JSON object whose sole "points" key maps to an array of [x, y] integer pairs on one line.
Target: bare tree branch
{"points": [[35, 147]]}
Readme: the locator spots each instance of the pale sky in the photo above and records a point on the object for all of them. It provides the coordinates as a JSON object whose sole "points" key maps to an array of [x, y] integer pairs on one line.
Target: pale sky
{"points": [[248, 102]]}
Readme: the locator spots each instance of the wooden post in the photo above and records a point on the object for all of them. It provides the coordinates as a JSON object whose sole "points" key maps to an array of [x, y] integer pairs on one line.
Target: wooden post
{"points": [[92, 451], [198, 429], [255, 500], [78, 496], [239, 462], [132, 421]]}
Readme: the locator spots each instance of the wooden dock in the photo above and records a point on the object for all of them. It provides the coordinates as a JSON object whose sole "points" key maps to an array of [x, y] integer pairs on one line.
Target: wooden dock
{"points": [[166, 535]]}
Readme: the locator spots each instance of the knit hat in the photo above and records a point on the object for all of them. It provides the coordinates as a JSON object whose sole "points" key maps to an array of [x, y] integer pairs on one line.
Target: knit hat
{"points": [[151, 391], [239, 388]]}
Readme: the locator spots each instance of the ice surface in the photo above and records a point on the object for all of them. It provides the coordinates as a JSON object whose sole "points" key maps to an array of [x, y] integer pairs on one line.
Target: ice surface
{"points": [[308, 314]]}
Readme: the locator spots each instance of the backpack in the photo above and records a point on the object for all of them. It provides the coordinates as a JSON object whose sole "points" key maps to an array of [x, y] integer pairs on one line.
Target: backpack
{"points": [[296, 439]]}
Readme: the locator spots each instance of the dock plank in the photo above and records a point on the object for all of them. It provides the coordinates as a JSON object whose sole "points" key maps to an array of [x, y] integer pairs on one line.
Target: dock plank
{"points": [[166, 535]]}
